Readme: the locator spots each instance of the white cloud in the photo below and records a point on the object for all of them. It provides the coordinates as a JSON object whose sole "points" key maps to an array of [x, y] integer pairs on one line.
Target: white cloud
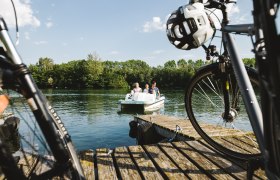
{"points": [[114, 52], [26, 35], [236, 16], [158, 51], [26, 1], [155, 25], [49, 24], [240, 18], [149, 57], [40, 42], [232, 9], [24, 11], [187, 57]]}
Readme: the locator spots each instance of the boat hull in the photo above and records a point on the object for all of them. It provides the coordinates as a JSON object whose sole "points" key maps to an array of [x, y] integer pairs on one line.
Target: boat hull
{"points": [[141, 106]]}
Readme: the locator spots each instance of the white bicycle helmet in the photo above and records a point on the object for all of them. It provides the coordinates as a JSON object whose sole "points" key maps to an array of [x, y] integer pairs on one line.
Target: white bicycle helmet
{"points": [[189, 26]]}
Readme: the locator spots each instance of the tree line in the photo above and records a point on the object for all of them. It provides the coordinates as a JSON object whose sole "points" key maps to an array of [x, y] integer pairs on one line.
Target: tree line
{"points": [[95, 73]]}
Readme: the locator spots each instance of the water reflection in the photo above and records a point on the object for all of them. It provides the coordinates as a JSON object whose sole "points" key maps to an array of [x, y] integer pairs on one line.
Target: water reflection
{"points": [[92, 117]]}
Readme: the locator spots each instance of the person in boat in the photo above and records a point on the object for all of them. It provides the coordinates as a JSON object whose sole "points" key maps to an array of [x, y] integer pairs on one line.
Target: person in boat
{"points": [[147, 88], [136, 88], [154, 89]]}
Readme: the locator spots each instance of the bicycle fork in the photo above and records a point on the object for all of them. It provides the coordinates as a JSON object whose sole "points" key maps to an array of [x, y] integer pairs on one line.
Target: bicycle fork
{"points": [[225, 86]]}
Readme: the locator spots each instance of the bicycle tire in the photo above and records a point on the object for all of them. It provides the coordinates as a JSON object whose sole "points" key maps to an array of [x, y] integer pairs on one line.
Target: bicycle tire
{"points": [[33, 150], [205, 85], [40, 164]]}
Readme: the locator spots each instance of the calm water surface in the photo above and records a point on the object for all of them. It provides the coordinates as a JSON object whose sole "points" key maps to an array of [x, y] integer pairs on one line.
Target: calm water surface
{"points": [[92, 118]]}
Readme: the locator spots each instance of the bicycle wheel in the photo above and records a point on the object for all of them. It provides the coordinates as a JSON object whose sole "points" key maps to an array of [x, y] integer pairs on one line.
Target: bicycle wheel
{"points": [[205, 105], [22, 139]]}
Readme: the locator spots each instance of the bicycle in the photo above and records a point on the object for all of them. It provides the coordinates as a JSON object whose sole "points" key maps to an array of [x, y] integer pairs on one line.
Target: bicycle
{"points": [[214, 93], [234, 84], [43, 149]]}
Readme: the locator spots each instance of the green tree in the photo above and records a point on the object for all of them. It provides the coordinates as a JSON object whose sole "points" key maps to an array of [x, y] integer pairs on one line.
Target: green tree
{"points": [[94, 73], [94, 56], [170, 64], [94, 69], [135, 71], [249, 62], [182, 63], [45, 64]]}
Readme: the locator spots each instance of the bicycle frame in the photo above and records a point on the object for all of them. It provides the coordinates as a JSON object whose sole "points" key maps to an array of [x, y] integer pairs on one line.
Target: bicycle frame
{"points": [[41, 110], [268, 58], [247, 92]]}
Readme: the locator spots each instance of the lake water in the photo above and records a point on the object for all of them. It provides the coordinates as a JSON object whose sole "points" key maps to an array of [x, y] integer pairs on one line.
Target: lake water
{"points": [[92, 118]]}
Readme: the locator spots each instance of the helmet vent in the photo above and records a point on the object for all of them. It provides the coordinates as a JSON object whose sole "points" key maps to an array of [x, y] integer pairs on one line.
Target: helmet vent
{"points": [[192, 24], [201, 21]]}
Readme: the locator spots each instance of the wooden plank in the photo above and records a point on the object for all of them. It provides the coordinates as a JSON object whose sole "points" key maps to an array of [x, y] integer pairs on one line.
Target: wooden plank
{"points": [[127, 168], [144, 163], [219, 131], [105, 165], [219, 160], [170, 122], [167, 167], [157, 117], [250, 140], [260, 174], [169, 134], [208, 166], [167, 123], [241, 144], [86, 159], [231, 145], [185, 164]]}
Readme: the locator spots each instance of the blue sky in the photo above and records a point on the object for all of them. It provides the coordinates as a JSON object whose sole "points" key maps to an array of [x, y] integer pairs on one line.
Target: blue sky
{"points": [[116, 30]]}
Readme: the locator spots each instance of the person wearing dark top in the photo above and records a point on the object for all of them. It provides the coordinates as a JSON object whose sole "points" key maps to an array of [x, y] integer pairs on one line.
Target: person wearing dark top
{"points": [[154, 89]]}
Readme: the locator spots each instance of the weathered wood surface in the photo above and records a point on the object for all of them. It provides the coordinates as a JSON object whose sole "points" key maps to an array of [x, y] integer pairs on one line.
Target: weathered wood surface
{"points": [[105, 164], [240, 141], [125, 164], [176, 160], [86, 159], [166, 126], [144, 163], [190, 158]]}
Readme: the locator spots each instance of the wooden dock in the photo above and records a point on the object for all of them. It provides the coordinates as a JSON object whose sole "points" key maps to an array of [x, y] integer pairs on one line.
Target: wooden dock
{"points": [[177, 160], [165, 126], [189, 158]]}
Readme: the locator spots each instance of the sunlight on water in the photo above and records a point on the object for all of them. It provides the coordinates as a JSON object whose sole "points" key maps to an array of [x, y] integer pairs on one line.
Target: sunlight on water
{"points": [[92, 118]]}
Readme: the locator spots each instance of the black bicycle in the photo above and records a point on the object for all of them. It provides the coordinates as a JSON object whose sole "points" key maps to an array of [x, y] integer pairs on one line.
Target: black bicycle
{"points": [[34, 144], [217, 111], [214, 96], [222, 99]]}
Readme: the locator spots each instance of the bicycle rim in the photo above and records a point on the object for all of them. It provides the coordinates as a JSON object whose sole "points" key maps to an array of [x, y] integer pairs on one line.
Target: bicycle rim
{"points": [[205, 107], [24, 139]]}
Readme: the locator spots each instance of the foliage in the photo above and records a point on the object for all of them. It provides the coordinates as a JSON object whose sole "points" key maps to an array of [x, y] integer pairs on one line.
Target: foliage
{"points": [[95, 73], [250, 62]]}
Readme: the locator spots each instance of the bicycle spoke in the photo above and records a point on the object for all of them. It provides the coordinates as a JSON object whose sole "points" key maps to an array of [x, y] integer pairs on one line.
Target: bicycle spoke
{"points": [[205, 107]]}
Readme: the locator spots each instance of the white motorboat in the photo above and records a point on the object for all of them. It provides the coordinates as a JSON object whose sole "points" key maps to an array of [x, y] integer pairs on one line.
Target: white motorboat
{"points": [[141, 102]]}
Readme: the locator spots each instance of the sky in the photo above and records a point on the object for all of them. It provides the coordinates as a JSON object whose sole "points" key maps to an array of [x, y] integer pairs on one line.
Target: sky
{"points": [[115, 30]]}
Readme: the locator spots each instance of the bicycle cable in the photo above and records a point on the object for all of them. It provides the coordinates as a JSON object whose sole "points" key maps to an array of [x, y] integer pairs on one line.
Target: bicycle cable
{"points": [[17, 31]]}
